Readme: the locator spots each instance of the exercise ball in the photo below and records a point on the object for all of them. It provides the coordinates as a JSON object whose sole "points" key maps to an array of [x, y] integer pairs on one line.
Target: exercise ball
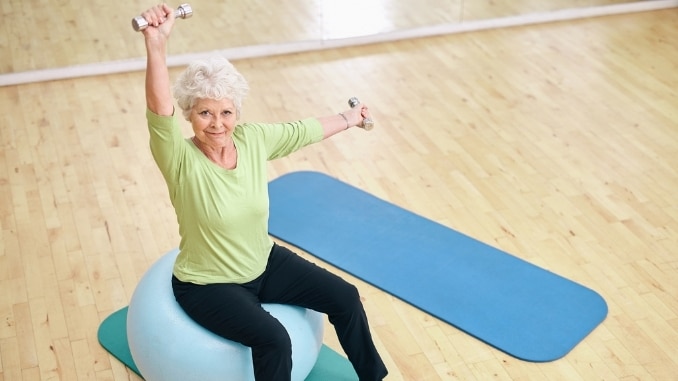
{"points": [[167, 345]]}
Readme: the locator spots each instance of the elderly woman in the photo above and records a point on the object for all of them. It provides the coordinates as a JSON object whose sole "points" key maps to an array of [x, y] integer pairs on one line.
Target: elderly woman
{"points": [[217, 180]]}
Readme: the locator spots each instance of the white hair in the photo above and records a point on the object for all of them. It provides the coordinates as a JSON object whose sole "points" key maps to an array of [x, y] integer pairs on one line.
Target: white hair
{"points": [[213, 78]]}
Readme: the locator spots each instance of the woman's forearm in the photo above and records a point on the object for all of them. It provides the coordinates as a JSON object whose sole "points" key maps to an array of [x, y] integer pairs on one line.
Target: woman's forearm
{"points": [[158, 95]]}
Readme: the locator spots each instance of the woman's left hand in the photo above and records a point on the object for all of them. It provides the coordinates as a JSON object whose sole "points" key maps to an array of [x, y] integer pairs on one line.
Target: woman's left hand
{"points": [[356, 116]]}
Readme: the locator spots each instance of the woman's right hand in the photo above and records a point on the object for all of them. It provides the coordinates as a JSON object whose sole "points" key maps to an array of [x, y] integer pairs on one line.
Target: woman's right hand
{"points": [[160, 20]]}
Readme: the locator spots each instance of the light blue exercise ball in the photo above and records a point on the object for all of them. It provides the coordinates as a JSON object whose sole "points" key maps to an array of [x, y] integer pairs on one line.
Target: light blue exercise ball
{"points": [[167, 345]]}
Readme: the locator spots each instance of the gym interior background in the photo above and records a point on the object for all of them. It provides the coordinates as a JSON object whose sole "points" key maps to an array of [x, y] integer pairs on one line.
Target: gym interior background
{"points": [[546, 129]]}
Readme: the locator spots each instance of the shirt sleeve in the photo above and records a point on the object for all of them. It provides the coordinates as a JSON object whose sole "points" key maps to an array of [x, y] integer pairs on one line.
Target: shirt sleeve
{"points": [[282, 139], [167, 144]]}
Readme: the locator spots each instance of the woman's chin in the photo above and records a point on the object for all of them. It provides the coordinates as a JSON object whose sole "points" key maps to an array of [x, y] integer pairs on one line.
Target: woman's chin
{"points": [[216, 139]]}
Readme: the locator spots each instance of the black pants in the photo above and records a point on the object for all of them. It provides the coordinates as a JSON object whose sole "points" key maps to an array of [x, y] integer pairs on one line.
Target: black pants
{"points": [[234, 312]]}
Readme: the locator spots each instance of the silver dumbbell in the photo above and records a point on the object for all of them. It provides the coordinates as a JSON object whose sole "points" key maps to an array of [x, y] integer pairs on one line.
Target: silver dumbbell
{"points": [[368, 124], [183, 12]]}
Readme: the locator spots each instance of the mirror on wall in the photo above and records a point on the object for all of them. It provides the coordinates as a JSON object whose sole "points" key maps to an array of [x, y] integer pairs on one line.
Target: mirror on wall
{"points": [[38, 35]]}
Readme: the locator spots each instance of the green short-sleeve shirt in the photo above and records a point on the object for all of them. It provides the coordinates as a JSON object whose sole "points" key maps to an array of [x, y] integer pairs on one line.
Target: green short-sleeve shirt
{"points": [[223, 214]]}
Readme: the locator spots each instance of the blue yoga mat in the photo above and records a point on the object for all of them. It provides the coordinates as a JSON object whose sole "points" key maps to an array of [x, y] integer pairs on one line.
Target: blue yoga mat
{"points": [[517, 307]]}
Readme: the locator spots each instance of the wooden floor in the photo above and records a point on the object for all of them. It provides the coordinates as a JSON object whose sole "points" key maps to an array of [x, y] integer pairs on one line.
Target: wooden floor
{"points": [[557, 143]]}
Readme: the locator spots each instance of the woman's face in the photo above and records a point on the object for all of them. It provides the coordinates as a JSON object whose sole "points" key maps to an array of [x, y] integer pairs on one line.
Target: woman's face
{"points": [[213, 121]]}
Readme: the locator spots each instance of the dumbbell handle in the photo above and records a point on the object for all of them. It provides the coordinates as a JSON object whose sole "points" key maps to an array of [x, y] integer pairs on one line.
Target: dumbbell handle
{"points": [[184, 11], [368, 124]]}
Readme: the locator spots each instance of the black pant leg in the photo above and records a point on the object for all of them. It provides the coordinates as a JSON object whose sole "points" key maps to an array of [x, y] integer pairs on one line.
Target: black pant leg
{"points": [[290, 279], [233, 311]]}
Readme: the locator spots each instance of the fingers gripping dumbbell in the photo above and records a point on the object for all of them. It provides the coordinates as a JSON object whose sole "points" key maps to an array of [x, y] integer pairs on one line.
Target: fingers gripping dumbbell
{"points": [[184, 11], [368, 124]]}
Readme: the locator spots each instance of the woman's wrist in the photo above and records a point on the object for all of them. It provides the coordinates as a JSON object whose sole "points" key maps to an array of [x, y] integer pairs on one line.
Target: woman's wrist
{"points": [[346, 120]]}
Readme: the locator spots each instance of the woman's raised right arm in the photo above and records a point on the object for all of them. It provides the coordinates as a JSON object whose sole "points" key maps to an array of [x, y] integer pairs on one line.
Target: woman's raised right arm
{"points": [[158, 94]]}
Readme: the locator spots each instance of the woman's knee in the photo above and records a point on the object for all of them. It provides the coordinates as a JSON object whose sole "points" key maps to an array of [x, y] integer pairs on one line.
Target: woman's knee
{"points": [[273, 341], [271, 336], [348, 297]]}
